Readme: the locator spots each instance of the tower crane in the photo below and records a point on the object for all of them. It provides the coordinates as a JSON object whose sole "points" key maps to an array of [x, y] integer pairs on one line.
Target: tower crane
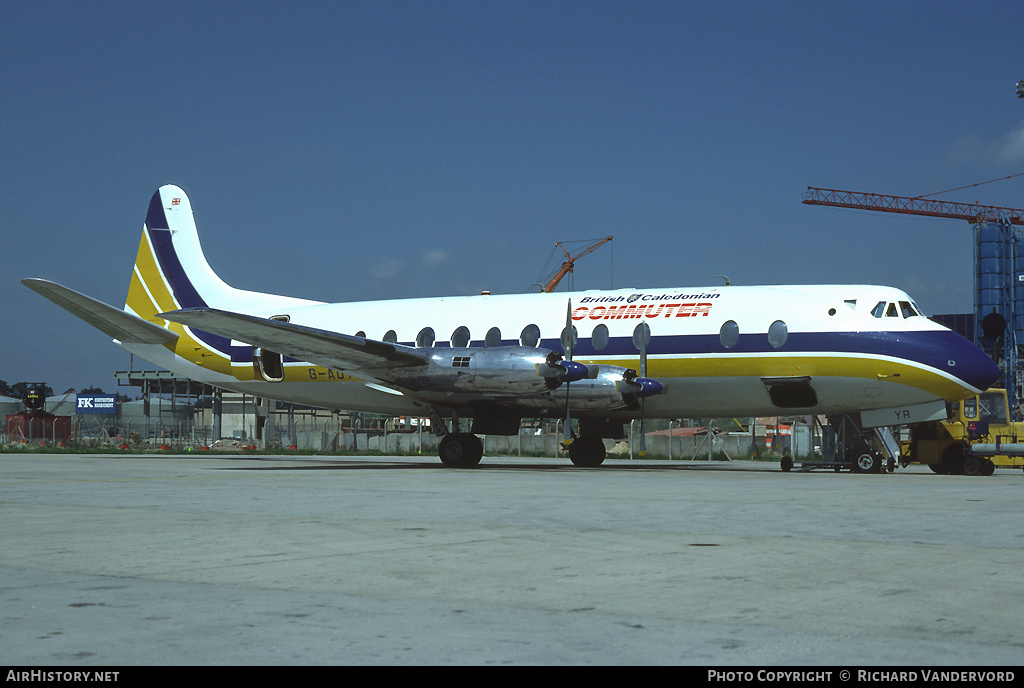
{"points": [[916, 205], [570, 261]]}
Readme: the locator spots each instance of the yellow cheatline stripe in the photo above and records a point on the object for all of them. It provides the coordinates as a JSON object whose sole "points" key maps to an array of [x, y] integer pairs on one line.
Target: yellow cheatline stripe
{"points": [[795, 365], [153, 294], [149, 294]]}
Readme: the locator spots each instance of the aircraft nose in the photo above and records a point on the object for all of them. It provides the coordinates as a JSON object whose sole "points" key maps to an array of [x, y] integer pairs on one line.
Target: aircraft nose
{"points": [[972, 365], [985, 372]]}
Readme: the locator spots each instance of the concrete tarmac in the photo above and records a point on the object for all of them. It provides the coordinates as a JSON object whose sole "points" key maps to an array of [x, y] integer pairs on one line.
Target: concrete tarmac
{"points": [[178, 560]]}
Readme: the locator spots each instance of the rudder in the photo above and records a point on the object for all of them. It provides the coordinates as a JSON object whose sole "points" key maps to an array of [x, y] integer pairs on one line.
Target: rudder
{"points": [[171, 271]]}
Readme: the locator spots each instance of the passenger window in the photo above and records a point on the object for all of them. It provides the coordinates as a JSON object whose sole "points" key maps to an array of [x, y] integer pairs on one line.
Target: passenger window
{"points": [[530, 336], [493, 337], [460, 337], [425, 338], [879, 309], [599, 338], [729, 334], [641, 336], [778, 333], [907, 310]]}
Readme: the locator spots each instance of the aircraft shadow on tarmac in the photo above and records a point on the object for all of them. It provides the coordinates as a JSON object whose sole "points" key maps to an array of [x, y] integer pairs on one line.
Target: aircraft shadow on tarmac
{"points": [[279, 464]]}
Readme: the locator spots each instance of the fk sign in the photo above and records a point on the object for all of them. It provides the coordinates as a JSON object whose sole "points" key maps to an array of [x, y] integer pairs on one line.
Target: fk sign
{"points": [[96, 403]]}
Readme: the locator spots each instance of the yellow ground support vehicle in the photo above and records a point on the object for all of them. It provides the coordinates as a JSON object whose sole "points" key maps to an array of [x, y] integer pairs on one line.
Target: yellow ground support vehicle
{"points": [[978, 436]]}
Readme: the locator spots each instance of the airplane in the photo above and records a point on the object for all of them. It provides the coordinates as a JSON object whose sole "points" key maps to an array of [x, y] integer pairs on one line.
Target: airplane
{"points": [[601, 358]]}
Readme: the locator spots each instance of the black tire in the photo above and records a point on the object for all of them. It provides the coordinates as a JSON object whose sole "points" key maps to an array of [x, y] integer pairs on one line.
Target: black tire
{"points": [[587, 452], [461, 450], [867, 462], [786, 464]]}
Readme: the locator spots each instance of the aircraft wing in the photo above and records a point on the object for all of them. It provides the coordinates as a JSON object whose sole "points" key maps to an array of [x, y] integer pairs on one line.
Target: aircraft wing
{"points": [[321, 347], [109, 320]]}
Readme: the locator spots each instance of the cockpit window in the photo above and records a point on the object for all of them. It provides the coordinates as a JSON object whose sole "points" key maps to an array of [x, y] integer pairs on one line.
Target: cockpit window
{"points": [[889, 309]]}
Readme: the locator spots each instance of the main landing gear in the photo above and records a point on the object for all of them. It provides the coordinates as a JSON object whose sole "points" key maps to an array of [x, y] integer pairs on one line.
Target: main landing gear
{"points": [[587, 451], [461, 450], [464, 450]]}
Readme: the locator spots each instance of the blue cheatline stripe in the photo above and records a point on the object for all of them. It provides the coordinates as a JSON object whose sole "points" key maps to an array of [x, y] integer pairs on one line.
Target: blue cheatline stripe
{"points": [[156, 218], [932, 348], [177, 279], [179, 284]]}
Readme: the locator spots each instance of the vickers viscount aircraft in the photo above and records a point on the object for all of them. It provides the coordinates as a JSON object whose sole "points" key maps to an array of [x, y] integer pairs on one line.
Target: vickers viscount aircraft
{"points": [[599, 359]]}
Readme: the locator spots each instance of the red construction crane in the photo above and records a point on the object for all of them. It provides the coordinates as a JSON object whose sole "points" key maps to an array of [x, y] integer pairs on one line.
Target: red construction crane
{"points": [[570, 261], [971, 212]]}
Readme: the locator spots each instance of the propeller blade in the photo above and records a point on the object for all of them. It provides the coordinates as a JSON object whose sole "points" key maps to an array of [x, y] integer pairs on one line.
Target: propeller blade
{"points": [[644, 331], [568, 343], [640, 337]]}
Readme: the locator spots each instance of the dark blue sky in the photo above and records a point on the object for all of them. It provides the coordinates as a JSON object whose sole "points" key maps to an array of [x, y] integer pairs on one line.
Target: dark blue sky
{"points": [[367, 150]]}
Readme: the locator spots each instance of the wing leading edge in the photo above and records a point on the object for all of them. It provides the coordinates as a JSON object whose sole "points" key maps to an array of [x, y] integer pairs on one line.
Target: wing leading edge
{"points": [[320, 347], [109, 320]]}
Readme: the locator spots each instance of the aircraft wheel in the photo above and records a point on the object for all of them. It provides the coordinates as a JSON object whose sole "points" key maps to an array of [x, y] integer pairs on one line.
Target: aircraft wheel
{"points": [[587, 452], [461, 450], [786, 464], [867, 462], [972, 466]]}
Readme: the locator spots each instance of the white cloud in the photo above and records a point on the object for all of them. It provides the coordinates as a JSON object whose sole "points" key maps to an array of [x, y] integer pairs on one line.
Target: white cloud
{"points": [[386, 269], [1011, 148], [435, 258], [1008, 149]]}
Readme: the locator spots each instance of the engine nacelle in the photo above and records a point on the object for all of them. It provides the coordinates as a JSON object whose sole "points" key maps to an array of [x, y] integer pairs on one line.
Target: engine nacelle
{"points": [[527, 378], [502, 370]]}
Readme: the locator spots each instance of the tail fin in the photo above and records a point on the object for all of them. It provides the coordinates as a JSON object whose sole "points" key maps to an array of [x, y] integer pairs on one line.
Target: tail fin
{"points": [[171, 273], [170, 268]]}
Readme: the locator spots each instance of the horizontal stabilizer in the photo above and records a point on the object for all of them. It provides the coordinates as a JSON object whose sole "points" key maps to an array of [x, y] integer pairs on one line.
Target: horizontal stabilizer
{"points": [[321, 347], [109, 320]]}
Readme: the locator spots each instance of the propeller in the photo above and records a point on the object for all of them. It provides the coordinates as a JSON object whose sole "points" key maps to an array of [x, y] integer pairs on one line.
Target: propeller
{"points": [[557, 370], [643, 333], [568, 342]]}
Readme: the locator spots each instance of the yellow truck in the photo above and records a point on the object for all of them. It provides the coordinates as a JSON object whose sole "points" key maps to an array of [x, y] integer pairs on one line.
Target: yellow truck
{"points": [[978, 436]]}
